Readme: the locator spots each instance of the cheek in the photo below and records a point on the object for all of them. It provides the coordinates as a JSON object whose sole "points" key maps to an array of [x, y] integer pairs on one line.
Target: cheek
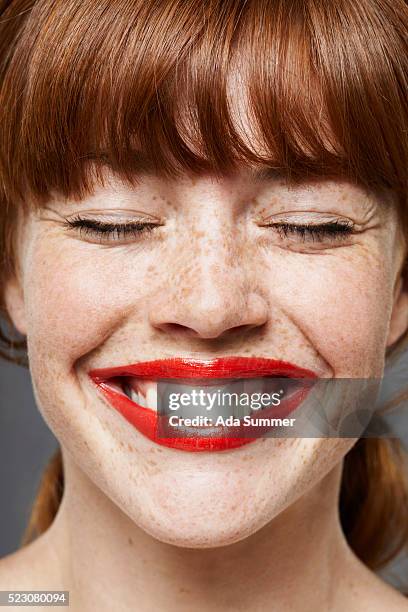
{"points": [[77, 298], [341, 305], [75, 305]]}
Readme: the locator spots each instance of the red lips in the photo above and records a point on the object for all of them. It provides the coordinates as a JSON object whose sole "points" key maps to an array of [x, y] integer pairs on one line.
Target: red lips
{"points": [[186, 369]]}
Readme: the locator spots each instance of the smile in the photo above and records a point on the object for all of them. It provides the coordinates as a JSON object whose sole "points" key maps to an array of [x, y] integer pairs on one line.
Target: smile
{"points": [[133, 391]]}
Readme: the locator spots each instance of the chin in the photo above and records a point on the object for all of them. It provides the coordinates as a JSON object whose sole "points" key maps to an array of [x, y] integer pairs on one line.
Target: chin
{"points": [[201, 532], [205, 510], [205, 539]]}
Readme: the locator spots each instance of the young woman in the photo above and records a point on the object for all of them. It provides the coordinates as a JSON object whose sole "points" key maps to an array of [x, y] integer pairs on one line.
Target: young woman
{"points": [[205, 189]]}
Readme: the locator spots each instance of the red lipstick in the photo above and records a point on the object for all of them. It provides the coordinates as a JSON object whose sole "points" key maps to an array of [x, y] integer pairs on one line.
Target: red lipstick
{"points": [[200, 372]]}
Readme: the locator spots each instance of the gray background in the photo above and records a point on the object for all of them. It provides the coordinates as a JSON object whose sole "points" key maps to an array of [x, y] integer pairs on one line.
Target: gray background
{"points": [[26, 444]]}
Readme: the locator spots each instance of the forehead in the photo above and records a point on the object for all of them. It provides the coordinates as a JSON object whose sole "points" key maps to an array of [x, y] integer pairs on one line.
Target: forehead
{"points": [[246, 188]]}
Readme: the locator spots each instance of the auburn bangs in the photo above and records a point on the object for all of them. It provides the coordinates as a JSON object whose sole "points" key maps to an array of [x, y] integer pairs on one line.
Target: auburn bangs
{"points": [[181, 85]]}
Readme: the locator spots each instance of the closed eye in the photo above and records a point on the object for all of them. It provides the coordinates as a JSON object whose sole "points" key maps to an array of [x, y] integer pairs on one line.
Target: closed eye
{"points": [[109, 231], [331, 230]]}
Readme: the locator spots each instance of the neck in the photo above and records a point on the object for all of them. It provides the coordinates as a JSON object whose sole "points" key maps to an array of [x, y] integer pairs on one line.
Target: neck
{"points": [[105, 558]]}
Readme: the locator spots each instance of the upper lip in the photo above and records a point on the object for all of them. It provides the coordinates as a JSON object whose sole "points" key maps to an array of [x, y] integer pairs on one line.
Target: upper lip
{"points": [[220, 367]]}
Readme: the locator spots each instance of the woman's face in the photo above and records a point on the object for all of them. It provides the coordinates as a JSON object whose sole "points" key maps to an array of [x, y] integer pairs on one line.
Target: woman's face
{"points": [[220, 272]]}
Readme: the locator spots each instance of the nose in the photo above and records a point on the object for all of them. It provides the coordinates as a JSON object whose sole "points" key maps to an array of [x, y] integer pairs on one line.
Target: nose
{"points": [[209, 299], [211, 317]]}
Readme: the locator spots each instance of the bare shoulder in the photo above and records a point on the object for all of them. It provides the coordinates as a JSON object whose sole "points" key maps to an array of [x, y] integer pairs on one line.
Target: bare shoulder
{"points": [[17, 571], [29, 568], [388, 599], [370, 592]]}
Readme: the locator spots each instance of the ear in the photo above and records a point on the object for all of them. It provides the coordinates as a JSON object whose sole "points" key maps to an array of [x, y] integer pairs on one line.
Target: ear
{"points": [[14, 300], [399, 316]]}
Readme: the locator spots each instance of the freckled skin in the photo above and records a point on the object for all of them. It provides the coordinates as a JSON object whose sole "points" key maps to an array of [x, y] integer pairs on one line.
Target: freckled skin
{"points": [[211, 281]]}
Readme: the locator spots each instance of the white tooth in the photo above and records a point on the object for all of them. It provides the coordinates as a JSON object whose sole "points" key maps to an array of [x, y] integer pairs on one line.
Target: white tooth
{"points": [[137, 397], [146, 394], [151, 396], [141, 386]]}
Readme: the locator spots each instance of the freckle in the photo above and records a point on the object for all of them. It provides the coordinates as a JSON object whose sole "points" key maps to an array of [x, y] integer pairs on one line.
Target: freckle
{"points": [[130, 541], [130, 448], [184, 590]]}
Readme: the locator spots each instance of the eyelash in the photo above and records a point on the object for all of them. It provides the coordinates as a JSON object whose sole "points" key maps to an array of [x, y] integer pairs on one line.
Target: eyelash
{"points": [[110, 231], [335, 230]]}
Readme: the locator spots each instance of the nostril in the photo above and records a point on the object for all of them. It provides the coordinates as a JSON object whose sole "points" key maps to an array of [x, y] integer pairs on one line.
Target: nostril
{"points": [[208, 331], [210, 318], [176, 327]]}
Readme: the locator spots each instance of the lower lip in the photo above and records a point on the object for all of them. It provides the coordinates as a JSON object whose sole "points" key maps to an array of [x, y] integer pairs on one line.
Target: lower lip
{"points": [[146, 422]]}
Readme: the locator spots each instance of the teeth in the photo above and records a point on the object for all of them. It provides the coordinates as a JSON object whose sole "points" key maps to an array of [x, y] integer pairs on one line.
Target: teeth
{"points": [[138, 398], [142, 392], [151, 396]]}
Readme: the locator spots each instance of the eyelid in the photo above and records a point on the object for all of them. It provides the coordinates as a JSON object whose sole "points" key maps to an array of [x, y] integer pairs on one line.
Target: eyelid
{"points": [[115, 217], [306, 218]]}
